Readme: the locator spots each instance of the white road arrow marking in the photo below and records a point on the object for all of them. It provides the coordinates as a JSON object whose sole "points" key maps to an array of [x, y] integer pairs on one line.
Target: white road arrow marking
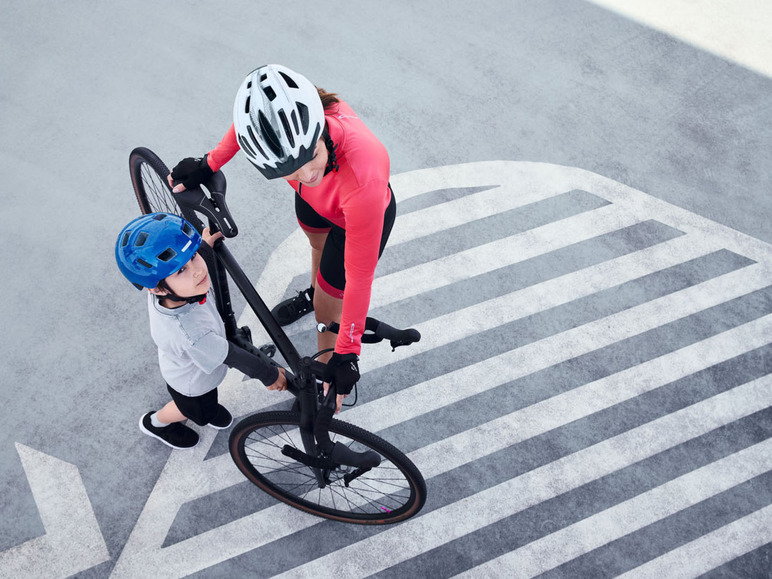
{"points": [[73, 541]]}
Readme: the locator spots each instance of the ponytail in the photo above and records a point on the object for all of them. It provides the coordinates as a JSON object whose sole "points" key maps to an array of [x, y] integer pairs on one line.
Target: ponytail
{"points": [[329, 99]]}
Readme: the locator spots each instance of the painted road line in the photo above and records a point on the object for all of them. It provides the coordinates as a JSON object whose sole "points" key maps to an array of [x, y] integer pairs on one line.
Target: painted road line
{"points": [[211, 547], [488, 257], [567, 288], [462, 517], [504, 252], [629, 516], [554, 179], [586, 400], [449, 388], [458, 212], [73, 541], [512, 188], [542, 180], [711, 550]]}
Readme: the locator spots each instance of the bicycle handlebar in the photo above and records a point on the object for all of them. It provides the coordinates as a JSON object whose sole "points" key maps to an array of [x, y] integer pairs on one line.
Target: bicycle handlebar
{"points": [[379, 331]]}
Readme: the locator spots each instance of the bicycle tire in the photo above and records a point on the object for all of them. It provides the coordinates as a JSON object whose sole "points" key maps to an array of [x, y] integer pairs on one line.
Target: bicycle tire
{"points": [[391, 492], [148, 177]]}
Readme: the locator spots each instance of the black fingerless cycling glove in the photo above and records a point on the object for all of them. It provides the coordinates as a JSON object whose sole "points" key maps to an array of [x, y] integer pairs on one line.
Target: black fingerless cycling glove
{"points": [[342, 371], [192, 172]]}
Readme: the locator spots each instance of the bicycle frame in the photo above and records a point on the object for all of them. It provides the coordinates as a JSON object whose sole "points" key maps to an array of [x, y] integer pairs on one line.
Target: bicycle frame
{"points": [[302, 381], [375, 481]]}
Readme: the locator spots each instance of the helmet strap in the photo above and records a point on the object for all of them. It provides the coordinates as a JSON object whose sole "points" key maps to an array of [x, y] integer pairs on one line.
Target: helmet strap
{"points": [[170, 295], [191, 300]]}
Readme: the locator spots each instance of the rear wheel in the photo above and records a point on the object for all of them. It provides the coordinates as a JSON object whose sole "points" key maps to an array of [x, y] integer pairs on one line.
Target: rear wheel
{"points": [[391, 492]]}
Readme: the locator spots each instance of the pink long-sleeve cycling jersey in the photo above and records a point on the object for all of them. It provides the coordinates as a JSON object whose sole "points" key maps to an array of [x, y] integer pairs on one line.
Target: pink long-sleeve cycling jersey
{"points": [[354, 198]]}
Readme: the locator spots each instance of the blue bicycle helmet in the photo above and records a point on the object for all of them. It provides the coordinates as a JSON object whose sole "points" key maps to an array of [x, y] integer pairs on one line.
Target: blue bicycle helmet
{"points": [[154, 246]]}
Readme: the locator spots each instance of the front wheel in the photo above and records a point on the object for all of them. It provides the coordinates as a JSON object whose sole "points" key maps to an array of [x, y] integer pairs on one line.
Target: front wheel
{"points": [[392, 491], [148, 176]]}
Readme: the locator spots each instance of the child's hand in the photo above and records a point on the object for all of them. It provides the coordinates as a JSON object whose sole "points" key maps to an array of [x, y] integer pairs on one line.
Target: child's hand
{"points": [[281, 382], [209, 237]]}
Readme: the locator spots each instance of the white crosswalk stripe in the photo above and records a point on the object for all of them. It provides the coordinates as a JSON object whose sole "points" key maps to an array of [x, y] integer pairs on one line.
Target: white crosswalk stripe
{"points": [[645, 509], [711, 550]]}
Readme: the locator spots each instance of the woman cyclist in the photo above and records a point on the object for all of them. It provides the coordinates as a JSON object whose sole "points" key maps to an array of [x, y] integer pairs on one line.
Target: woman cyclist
{"points": [[290, 129]]}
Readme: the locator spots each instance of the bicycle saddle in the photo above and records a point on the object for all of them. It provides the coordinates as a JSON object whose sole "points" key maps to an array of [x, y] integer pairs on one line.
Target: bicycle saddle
{"points": [[211, 203]]}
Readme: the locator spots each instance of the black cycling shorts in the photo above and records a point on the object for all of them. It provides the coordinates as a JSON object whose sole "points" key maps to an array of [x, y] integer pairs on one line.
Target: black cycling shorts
{"points": [[332, 273]]}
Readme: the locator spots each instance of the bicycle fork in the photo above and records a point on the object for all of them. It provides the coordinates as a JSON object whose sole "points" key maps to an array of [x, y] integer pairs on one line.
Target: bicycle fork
{"points": [[321, 454]]}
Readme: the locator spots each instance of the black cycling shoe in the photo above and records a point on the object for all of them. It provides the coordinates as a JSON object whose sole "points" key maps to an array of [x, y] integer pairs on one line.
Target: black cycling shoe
{"points": [[292, 309]]}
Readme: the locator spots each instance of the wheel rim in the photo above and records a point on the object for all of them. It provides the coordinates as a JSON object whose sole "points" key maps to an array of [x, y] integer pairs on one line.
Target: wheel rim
{"points": [[383, 492], [157, 191]]}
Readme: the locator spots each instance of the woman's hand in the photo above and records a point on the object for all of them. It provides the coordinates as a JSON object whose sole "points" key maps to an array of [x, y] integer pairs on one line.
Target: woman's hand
{"points": [[340, 397], [189, 172], [176, 189], [281, 382]]}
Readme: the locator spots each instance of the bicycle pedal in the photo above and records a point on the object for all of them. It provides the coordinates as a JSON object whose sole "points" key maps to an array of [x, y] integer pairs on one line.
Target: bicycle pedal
{"points": [[307, 459]]}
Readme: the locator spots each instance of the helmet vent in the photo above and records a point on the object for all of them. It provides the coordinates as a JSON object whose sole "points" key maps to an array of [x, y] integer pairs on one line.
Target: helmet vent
{"points": [[249, 84], [255, 142], [125, 240], [245, 145], [303, 110], [159, 216], [141, 239], [294, 117], [287, 130], [290, 82], [187, 229], [270, 137], [269, 92], [246, 105], [167, 254], [263, 77], [141, 261]]}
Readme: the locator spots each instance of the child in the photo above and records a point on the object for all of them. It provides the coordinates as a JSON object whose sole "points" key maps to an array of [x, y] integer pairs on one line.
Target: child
{"points": [[159, 252]]}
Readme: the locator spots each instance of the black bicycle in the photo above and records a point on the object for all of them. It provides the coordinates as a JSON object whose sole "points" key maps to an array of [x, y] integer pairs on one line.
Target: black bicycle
{"points": [[304, 457]]}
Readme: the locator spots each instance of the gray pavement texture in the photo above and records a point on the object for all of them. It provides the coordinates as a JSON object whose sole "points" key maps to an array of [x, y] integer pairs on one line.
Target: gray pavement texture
{"points": [[566, 84]]}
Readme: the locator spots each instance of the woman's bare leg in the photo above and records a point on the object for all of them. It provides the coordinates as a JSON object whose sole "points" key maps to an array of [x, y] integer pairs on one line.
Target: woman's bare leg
{"points": [[327, 309]]}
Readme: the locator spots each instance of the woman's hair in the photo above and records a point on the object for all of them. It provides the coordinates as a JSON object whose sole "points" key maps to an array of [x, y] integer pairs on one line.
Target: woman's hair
{"points": [[329, 99]]}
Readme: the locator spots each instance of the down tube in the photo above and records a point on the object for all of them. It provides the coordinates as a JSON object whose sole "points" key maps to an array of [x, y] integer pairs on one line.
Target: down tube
{"points": [[283, 343]]}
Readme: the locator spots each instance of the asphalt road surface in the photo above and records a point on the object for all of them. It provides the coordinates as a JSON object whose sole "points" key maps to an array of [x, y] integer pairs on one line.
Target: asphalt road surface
{"points": [[583, 240]]}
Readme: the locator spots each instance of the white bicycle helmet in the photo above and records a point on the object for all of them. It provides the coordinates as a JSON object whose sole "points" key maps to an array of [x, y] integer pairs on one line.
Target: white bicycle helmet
{"points": [[278, 117]]}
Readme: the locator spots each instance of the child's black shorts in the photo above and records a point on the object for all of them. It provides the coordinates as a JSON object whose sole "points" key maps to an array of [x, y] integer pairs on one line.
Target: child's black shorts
{"points": [[200, 409]]}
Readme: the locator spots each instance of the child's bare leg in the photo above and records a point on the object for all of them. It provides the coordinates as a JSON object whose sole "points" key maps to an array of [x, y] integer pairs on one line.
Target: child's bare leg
{"points": [[170, 413]]}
